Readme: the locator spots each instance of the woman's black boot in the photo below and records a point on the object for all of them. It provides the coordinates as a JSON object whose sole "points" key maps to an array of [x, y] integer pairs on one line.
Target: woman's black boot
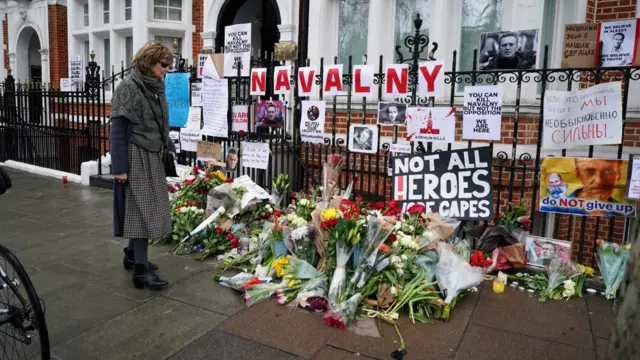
{"points": [[129, 260], [143, 277]]}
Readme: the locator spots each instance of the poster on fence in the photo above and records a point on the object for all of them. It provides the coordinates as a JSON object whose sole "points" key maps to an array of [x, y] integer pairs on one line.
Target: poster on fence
{"points": [[392, 113], [619, 43], [592, 116], [76, 71], [237, 49], [482, 115], [433, 124], [176, 87], [633, 178], [580, 45], [508, 50], [215, 107], [255, 155], [584, 186], [312, 124], [363, 138], [189, 140], [240, 118], [194, 121], [202, 59], [175, 137], [453, 183], [196, 94]]}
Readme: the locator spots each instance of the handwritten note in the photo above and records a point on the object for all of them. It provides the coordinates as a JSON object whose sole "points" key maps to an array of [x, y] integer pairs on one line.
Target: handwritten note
{"points": [[195, 119], [66, 85], [177, 93], [215, 105], [255, 155], [189, 140], [76, 71], [196, 94], [209, 150]]}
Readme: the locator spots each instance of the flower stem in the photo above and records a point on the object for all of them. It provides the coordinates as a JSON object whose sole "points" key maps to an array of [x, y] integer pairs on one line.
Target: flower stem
{"points": [[403, 346]]}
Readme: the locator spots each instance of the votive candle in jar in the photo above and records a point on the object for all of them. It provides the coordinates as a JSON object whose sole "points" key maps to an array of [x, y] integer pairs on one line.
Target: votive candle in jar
{"points": [[498, 286]]}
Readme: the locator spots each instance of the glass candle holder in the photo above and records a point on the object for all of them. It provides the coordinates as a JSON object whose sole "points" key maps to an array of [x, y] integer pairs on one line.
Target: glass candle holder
{"points": [[498, 286]]}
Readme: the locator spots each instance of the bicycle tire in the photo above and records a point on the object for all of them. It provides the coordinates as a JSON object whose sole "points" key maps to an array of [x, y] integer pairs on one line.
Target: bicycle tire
{"points": [[45, 350]]}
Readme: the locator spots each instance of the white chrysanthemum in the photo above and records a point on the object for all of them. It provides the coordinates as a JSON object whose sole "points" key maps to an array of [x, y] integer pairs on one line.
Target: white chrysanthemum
{"points": [[569, 288], [299, 233], [303, 202], [299, 222]]}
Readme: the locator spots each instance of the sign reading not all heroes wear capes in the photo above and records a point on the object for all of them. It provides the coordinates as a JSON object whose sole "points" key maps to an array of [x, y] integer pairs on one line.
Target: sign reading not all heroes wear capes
{"points": [[455, 183]]}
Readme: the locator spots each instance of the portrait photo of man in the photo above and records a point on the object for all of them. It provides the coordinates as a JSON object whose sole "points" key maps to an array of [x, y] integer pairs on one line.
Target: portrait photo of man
{"points": [[616, 53], [231, 161], [508, 50], [599, 178], [269, 114], [363, 138], [391, 113], [540, 251], [557, 188]]}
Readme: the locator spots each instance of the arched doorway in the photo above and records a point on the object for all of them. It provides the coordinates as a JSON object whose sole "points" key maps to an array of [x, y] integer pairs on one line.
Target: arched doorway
{"points": [[28, 61], [263, 14]]}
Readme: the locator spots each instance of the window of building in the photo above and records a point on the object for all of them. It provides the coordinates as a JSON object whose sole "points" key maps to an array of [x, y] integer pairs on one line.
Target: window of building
{"points": [[168, 41], [128, 50], [406, 11], [167, 10], [87, 51], [352, 31], [546, 35], [105, 11], [85, 13], [127, 10], [107, 58]]}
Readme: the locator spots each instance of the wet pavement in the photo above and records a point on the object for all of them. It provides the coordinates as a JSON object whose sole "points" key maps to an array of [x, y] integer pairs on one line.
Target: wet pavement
{"points": [[62, 234]]}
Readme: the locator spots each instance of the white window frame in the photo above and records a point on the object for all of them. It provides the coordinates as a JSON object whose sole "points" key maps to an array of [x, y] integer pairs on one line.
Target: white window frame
{"points": [[130, 8], [85, 14], [106, 55], [167, 8], [127, 58], [106, 12]]}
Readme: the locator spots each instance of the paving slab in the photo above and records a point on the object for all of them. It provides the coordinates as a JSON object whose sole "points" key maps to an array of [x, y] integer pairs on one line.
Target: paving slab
{"points": [[486, 343], [51, 251], [205, 292], [331, 353], [293, 330], [154, 330], [36, 234], [602, 315], [521, 312], [601, 348], [58, 277], [219, 345]]}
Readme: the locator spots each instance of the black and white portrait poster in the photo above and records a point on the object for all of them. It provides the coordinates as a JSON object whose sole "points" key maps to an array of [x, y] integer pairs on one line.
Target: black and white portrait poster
{"points": [[391, 113], [507, 50], [432, 124], [453, 183], [312, 124], [237, 49], [618, 42], [482, 115], [363, 138]]}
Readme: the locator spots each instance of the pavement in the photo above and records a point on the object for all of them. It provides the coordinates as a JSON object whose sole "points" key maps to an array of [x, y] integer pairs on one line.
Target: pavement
{"points": [[62, 234]]}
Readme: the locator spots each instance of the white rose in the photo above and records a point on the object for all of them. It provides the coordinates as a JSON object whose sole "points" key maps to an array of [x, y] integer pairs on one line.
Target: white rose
{"points": [[393, 291], [404, 257]]}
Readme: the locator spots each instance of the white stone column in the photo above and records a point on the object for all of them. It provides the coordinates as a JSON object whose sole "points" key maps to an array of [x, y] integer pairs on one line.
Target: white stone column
{"points": [[288, 32], [208, 40], [139, 14], [381, 32], [323, 30], [44, 62]]}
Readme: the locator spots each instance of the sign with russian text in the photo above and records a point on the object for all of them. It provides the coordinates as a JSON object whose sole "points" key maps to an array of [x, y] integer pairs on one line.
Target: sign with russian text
{"points": [[433, 124], [592, 116], [237, 49], [76, 70], [455, 183], [176, 87], [580, 45], [584, 186], [482, 115]]}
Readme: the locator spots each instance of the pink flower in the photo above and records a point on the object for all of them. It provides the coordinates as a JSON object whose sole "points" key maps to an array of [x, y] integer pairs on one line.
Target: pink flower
{"points": [[246, 297]]}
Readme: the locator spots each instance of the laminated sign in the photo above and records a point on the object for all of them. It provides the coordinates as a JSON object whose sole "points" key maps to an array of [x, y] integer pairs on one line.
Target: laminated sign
{"points": [[455, 184]]}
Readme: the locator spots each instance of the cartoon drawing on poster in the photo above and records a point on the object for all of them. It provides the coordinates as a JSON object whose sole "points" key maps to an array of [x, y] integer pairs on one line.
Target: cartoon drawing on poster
{"points": [[633, 178], [592, 116], [584, 186], [240, 118], [391, 113], [269, 114], [618, 42], [177, 94], [508, 50], [363, 138], [482, 114], [435, 124], [453, 183], [539, 251], [237, 49], [215, 101], [312, 124], [196, 94]]}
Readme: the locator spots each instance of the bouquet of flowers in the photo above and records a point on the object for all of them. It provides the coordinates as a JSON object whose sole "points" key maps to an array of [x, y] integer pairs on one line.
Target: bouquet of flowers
{"points": [[280, 188], [338, 281], [185, 219], [378, 230], [612, 260], [342, 315], [313, 295], [565, 281], [331, 176], [299, 241]]}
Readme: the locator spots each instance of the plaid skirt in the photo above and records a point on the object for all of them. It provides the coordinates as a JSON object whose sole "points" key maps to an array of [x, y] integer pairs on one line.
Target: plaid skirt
{"points": [[147, 212]]}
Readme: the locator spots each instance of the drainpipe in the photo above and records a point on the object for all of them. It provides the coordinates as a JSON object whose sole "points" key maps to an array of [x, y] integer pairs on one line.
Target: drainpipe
{"points": [[303, 35]]}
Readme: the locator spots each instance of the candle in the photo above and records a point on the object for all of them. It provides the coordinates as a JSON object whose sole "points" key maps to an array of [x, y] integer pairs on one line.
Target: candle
{"points": [[498, 286]]}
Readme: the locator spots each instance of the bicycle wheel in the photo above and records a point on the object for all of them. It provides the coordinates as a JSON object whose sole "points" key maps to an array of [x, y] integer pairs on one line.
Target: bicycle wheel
{"points": [[22, 321]]}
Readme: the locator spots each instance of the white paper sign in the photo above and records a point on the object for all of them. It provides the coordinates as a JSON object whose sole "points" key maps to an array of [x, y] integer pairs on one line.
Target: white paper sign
{"points": [[237, 49], [433, 124], [194, 121], [332, 80], [210, 70], [401, 147], [66, 85], [592, 116], [202, 58], [255, 155], [619, 42], [189, 140], [76, 70], [312, 124], [634, 178], [175, 137], [215, 99], [482, 115], [240, 118], [196, 94], [363, 81], [307, 81], [252, 187]]}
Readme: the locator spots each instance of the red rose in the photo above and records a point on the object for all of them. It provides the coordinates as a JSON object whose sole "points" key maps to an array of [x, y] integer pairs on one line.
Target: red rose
{"points": [[189, 182], [379, 205], [229, 180], [416, 209], [230, 236], [392, 237], [219, 230], [393, 204], [292, 196], [234, 243], [277, 213], [241, 132], [359, 198]]}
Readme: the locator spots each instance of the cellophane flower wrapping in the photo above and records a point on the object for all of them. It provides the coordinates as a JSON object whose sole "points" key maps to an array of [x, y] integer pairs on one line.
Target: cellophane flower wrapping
{"points": [[565, 280], [454, 274], [343, 314], [612, 261], [313, 295], [559, 271], [300, 269], [299, 241], [331, 176], [263, 291], [339, 279], [378, 230]]}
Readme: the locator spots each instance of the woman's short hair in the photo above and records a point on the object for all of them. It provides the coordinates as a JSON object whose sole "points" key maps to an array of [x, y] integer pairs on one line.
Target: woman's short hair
{"points": [[150, 54]]}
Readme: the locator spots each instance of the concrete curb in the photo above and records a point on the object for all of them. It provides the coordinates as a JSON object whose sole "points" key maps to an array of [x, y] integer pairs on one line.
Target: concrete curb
{"points": [[42, 171]]}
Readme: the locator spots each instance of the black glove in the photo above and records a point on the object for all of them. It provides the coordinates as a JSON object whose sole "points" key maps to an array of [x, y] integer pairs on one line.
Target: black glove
{"points": [[5, 181]]}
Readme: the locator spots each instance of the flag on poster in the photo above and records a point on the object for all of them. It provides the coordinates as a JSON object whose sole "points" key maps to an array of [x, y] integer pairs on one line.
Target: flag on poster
{"points": [[237, 49], [482, 115], [585, 186], [240, 118], [312, 125], [592, 116], [434, 124], [619, 43]]}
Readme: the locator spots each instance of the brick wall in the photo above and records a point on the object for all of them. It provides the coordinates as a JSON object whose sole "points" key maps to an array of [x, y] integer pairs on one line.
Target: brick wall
{"points": [[606, 10], [5, 34], [198, 19], [58, 47]]}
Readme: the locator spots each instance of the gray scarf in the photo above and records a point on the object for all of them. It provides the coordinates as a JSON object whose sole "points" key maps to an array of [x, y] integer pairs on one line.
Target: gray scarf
{"points": [[141, 99]]}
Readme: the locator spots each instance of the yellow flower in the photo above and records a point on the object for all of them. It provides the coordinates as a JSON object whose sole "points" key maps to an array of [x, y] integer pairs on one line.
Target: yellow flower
{"points": [[220, 175], [292, 283], [329, 214], [628, 246], [589, 270]]}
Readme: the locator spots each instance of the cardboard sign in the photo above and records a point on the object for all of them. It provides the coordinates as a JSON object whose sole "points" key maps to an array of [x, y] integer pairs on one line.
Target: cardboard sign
{"points": [[455, 183], [580, 45], [209, 150]]}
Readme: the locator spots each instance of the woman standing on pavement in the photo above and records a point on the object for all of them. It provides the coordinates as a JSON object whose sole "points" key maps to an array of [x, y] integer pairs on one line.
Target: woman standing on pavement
{"points": [[139, 133]]}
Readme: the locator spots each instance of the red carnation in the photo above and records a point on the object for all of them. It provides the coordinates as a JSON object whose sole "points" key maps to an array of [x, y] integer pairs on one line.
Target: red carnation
{"points": [[189, 182], [416, 209], [241, 132], [379, 205], [393, 204], [234, 243], [229, 180], [277, 213], [230, 236], [392, 237], [219, 230]]}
